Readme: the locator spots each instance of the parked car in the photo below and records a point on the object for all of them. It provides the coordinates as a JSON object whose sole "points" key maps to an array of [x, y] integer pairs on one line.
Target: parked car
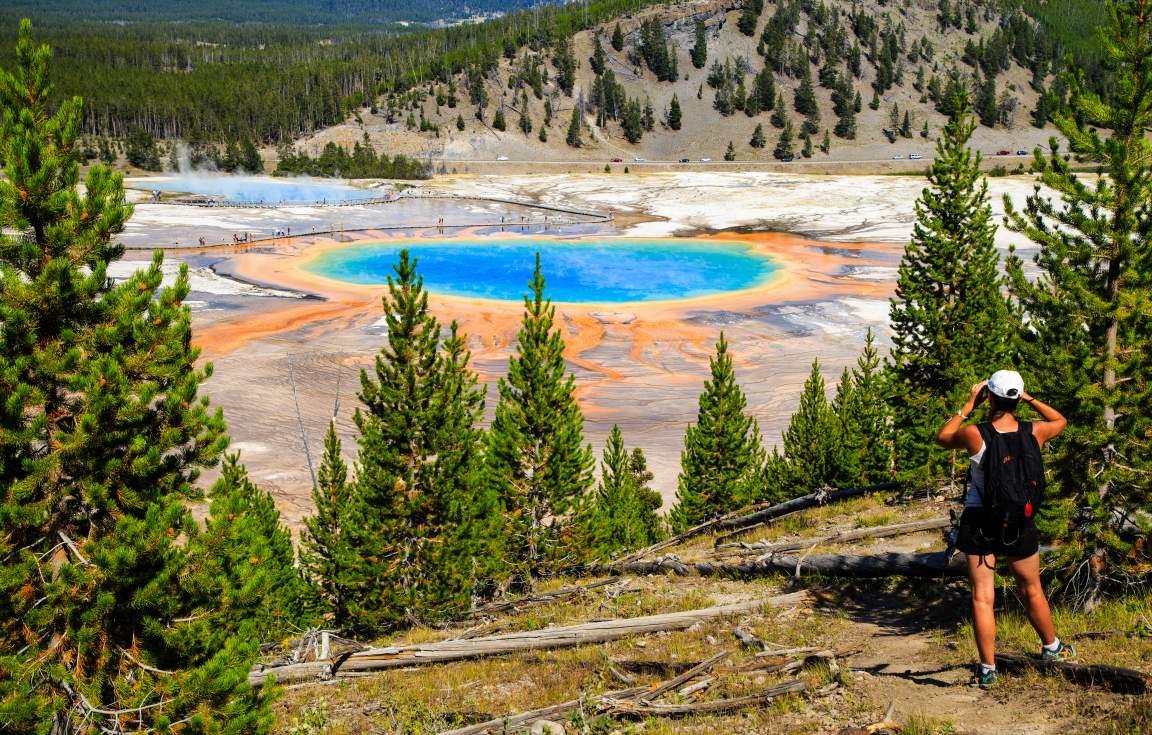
{"points": [[898, 157], [501, 158], [788, 159], [684, 160], [1004, 152], [914, 156], [638, 159], [617, 160], [1021, 152], [705, 160]]}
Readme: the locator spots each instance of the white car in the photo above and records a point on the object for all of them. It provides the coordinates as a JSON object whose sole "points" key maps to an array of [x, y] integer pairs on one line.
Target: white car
{"points": [[898, 157], [914, 156], [501, 158], [638, 159], [705, 160]]}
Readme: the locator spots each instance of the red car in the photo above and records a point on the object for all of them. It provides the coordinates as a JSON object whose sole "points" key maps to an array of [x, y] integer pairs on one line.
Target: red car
{"points": [[1003, 153], [617, 160]]}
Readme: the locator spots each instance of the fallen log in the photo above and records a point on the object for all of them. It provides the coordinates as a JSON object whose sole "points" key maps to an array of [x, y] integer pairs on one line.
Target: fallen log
{"points": [[630, 707], [820, 497], [680, 538], [934, 564], [1115, 678], [390, 657], [702, 667], [898, 529], [512, 723], [554, 596], [623, 701]]}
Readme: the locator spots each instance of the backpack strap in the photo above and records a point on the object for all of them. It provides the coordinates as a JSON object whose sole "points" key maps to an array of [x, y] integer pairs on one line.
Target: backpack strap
{"points": [[986, 437]]}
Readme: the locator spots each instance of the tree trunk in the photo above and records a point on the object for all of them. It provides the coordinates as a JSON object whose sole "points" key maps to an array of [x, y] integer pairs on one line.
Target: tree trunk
{"points": [[390, 657], [811, 500], [935, 564], [762, 547]]}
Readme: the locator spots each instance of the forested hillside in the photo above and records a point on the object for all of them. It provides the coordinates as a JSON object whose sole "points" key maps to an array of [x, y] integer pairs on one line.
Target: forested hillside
{"points": [[279, 12], [869, 67]]}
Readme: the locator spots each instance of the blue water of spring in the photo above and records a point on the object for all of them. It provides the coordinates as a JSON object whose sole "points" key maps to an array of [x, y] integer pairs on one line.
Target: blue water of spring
{"points": [[575, 271], [259, 189]]}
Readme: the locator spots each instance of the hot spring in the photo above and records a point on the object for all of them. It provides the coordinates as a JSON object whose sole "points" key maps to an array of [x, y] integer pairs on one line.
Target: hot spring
{"points": [[258, 189], [576, 271]]}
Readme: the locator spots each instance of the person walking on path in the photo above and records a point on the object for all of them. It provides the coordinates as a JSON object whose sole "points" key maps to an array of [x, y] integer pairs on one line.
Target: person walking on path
{"points": [[1005, 490]]}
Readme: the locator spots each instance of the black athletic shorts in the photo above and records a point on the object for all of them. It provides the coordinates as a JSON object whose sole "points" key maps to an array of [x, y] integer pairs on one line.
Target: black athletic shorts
{"points": [[980, 534]]}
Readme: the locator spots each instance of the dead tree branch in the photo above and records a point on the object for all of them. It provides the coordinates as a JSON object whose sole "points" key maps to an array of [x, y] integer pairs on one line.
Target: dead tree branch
{"points": [[820, 497], [376, 659]]}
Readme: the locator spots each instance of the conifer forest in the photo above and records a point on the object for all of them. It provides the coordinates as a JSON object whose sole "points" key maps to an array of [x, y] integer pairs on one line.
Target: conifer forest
{"points": [[603, 369]]}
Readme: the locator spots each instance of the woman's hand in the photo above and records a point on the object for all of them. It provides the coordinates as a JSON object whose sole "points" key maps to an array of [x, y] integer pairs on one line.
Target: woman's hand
{"points": [[977, 390]]}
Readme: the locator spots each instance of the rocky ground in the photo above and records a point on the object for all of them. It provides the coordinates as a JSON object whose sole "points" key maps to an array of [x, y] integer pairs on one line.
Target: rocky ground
{"points": [[901, 649]]}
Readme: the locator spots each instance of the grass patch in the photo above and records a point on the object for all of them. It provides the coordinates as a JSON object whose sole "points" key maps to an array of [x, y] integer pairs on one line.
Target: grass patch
{"points": [[920, 724], [883, 518], [1114, 633]]}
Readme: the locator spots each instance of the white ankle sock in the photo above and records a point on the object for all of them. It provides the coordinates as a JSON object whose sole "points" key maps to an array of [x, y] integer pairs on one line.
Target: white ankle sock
{"points": [[985, 668], [1053, 647]]}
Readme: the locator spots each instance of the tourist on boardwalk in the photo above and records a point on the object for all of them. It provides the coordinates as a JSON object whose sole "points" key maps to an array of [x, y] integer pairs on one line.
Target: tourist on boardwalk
{"points": [[1005, 490]]}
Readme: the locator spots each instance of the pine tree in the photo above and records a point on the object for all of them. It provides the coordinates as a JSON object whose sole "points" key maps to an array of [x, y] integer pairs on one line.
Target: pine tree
{"points": [[986, 106], [758, 140], [245, 551], [779, 113], [730, 152], [417, 469], [700, 48], [620, 514], [813, 448], [536, 461], [633, 121], [498, 121], [573, 137], [866, 420], [1041, 114], [250, 161], [948, 315], [597, 61], [617, 38], [804, 98], [722, 462], [806, 149], [1086, 333], [811, 124], [783, 148], [323, 549], [103, 438], [826, 144], [749, 16], [525, 116], [460, 123], [674, 113], [764, 89]]}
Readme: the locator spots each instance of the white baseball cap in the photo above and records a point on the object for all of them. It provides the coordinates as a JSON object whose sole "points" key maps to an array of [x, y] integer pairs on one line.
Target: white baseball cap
{"points": [[1006, 384]]}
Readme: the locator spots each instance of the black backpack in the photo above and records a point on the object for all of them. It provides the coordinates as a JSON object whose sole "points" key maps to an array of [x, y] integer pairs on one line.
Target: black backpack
{"points": [[1013, 475]]}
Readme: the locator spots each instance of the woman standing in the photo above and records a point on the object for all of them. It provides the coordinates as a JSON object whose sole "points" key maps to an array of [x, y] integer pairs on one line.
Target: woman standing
{"points": [[986, 534]]}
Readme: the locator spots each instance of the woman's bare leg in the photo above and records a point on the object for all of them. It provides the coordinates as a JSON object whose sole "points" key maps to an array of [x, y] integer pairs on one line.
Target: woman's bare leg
{"points": [[982, 575], [1027, 572]]}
